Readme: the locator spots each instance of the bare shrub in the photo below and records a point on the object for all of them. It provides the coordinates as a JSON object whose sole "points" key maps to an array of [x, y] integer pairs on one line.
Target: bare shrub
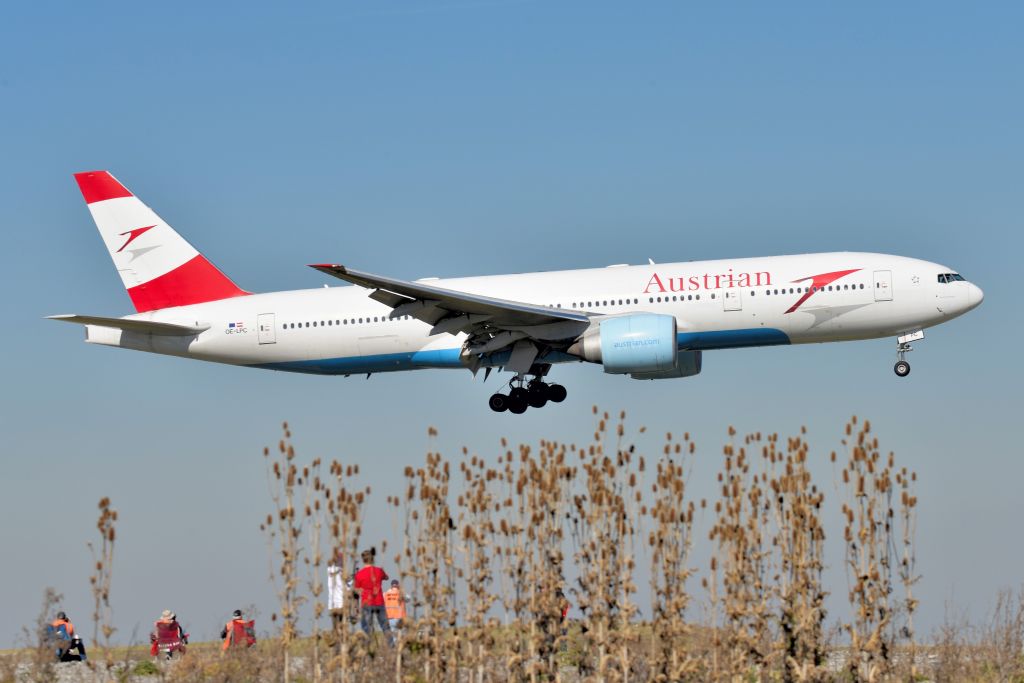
{"points": [[476, 544], [345, 508], [742, 643], [875, 549], [799, 540], [670, 541], [604, 535], [1001, 643]]}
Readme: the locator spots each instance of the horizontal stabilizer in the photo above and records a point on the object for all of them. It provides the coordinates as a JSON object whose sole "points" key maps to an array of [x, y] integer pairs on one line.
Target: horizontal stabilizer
{"points": [[131, 325]]}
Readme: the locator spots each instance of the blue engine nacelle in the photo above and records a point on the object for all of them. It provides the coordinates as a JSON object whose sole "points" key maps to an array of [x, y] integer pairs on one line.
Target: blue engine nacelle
{"points": [[687, 365], [640, 343]]}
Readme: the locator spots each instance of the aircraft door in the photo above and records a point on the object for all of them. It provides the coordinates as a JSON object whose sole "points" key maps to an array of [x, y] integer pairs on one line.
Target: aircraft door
{"points": [[883, 285], [731, 300], [265, 329]]}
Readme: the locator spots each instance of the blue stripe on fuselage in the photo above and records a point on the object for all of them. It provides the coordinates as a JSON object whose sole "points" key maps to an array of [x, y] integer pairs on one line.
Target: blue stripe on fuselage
{"points": [[449, 358], [731, 339]]}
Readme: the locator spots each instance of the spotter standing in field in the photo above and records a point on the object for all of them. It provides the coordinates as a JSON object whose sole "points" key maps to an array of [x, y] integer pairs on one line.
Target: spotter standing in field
{"points": [[238, 632], [167, 635], [62, 632], [367, 583], [394, 603]]}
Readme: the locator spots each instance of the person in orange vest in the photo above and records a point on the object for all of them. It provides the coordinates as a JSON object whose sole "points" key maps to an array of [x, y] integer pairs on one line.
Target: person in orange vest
{"points": [[238, 632], [63, 632], [394, 603]]}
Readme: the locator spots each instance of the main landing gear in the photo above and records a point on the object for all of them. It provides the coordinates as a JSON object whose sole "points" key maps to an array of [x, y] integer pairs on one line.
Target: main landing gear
{"points": [[902, 367], [522, 395]]}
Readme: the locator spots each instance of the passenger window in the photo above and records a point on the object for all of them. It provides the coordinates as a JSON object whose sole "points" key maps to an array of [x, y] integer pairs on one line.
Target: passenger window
{"points": [[698, 297], [651, 299], [712, 296]]}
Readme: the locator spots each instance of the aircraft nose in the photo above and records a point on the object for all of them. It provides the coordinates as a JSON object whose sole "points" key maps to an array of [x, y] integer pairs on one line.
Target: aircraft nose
{"points": [[974, 295]]}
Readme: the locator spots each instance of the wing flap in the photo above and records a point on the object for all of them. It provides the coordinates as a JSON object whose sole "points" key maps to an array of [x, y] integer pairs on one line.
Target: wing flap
{"points": [[131, 325]]}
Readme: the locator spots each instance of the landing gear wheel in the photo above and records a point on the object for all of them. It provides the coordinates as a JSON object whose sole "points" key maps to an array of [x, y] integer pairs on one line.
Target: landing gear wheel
{"points": [[556, 393], [537, 394], [498, 403], [517, 403], [902, 368]]}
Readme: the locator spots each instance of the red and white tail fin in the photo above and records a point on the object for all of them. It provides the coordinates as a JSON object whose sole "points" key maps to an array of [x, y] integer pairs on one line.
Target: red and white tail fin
{"points": [[158, 267]]}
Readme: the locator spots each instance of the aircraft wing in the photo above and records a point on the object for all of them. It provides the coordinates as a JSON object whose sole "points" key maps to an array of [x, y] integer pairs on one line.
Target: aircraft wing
{"points": [[492, 324], [130, 325]]}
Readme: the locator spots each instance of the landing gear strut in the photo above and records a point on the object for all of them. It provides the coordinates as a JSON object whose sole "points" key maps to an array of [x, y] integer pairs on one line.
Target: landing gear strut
{"points": [[524, 394], [903, 347]]}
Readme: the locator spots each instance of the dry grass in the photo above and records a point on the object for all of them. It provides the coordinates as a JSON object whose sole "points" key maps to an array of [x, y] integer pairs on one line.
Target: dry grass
{"points": [[492, 549]]}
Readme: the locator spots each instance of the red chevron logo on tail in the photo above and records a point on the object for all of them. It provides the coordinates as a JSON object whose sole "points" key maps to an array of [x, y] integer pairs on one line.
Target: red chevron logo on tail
{"points": [[132, 235]]}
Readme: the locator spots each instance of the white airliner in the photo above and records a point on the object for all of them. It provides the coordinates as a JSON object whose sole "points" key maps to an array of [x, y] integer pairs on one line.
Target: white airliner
{"points": [[649, 321]]}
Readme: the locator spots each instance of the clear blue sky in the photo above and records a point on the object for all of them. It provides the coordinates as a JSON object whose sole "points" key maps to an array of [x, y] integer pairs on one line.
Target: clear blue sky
{"points": [[471, 137]]}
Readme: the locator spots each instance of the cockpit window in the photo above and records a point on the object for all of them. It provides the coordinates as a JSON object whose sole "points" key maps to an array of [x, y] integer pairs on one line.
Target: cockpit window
{"points": [[951, 277]]}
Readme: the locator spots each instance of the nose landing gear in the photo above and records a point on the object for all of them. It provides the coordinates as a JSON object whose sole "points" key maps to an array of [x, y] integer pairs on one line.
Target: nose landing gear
{"points": [[903, 347], [522, 395]]}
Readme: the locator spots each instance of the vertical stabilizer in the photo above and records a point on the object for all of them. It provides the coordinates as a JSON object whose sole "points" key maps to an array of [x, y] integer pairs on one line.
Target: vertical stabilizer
{"points": [[158, 267]]}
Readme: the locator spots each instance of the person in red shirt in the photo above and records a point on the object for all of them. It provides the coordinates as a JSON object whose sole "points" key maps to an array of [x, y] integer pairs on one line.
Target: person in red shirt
{"points": [[367, 583]]}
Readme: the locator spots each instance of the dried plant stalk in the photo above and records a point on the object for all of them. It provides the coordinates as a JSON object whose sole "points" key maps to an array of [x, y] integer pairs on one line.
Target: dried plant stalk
{"points": [[284, 531], [345, 513], [670, 541], [100, 580], [871, 541], [604, 535], [429, 561]]}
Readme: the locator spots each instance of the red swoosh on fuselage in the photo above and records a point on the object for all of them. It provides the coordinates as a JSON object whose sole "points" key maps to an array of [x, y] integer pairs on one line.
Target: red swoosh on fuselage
{"points": [[817, 282]]}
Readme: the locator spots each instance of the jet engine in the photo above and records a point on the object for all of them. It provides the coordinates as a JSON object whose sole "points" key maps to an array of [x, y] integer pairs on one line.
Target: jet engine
{"points": [[636, 344]]}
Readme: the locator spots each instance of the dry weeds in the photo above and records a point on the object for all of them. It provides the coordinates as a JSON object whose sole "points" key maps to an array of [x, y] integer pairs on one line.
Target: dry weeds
{"points": [[493, 550]]}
